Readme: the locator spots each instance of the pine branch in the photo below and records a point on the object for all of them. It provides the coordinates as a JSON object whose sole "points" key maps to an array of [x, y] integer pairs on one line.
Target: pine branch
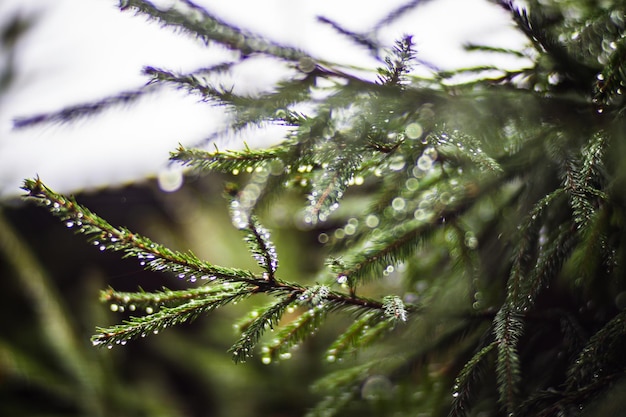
{"points": [[398, 63], [332, 404], [71, 113], [536, 27], [256, 236], [612, 79], [267, 318], [167, 316], [363, 332], [400, 242], [339, 163], [358, 38], [229, 161], [602, 355], [193, 19], [508, 328], [469, 376], [232, 284], [196, 83], [152, 301], [106, 237], [292, 334]]}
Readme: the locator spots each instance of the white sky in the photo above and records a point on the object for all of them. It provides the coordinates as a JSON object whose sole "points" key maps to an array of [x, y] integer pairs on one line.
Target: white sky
{"points": [[83, 50]]}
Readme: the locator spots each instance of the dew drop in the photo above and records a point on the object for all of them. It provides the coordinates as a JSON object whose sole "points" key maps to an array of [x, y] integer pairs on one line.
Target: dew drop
{"points": [[266, 360]]}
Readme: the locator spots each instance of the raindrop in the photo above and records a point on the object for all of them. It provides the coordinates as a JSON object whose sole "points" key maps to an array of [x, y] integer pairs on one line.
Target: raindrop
{"points": [[306, 64], [424, 162], [349, 229], [470, 240], [397, 163], [372, 221], [412, 184], [266, 360], [69, 224], [376, 387], [149, 310], [420, 214], [398, 203], [414, 131], [170, 179], [114, 307], [620, 300]]}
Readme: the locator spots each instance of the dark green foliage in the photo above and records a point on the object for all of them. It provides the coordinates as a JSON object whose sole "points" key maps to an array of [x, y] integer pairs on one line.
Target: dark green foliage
{"points": [[473, 231]]}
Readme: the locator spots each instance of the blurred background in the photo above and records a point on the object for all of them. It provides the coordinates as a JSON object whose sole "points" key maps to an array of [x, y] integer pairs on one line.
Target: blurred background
{"points": [[67, 52]]}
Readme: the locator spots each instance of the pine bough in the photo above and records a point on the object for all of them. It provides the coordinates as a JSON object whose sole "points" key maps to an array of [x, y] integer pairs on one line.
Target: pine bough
{"points": [[496, 188]]}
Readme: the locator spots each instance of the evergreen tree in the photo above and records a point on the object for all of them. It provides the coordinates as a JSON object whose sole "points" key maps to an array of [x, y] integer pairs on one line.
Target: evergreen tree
{"points": [[472, 230]]}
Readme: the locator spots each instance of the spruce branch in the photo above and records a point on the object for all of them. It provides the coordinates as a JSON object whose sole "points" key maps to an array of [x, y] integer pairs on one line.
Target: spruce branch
{"points": [[228, 161], [469, 376], [398, 63], [358, 38], [187, 16], [292, 334], [363, 332], [268, 317], [196, 83], [339, 162], [165, 317], [174, 307], [262, 249], [151, 301], [612, 79], [106, 237], [599, 357], [508, 328], [71, 113]]}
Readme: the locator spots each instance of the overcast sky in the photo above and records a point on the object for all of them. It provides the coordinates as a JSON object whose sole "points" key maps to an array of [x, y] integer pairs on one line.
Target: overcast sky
{"points": [[82, 50]]}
